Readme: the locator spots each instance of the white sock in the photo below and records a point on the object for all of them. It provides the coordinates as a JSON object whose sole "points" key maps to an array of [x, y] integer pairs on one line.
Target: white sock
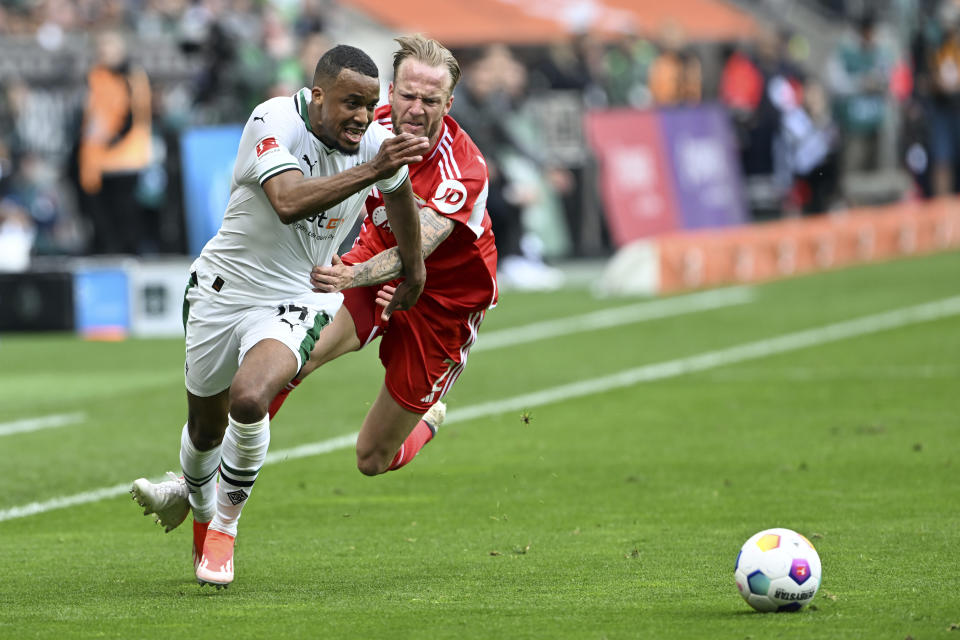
{"points": [[200, 472], [242, 454]]}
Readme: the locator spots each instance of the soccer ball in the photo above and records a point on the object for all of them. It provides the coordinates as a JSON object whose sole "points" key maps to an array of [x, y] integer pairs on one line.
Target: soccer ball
{"points": [[777, 570]]}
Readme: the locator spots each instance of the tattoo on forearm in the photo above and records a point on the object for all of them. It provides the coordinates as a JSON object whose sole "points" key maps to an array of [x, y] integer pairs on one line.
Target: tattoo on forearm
{"points": [[382, 267], [434, 229], [386, 265]]}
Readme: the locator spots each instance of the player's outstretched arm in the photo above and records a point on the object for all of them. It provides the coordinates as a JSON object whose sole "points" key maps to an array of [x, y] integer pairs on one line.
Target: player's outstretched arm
{"points": [[404, 217], [386, 265], [295, 197]]}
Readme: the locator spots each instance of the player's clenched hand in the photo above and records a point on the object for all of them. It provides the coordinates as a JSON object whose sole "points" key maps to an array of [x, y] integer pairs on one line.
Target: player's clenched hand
{"points": [[384, 298], [397, 151], [401, 297], [385, 295], [336, 277]]}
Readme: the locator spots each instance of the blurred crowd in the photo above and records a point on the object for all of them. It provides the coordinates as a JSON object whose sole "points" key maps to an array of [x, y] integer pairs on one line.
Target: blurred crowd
{"points": [[95, 93]]}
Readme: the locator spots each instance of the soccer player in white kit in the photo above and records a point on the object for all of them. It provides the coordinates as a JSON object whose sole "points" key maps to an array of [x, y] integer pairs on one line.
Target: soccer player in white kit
{"points": [[303, 170]]}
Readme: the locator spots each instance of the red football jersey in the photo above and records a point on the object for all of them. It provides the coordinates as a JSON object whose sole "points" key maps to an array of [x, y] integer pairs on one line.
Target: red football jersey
{"points": [[451, 180]]}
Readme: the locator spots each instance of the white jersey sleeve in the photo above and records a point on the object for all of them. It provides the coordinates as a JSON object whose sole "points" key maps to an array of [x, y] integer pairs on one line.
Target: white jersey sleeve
{"points": [[271, 138]]}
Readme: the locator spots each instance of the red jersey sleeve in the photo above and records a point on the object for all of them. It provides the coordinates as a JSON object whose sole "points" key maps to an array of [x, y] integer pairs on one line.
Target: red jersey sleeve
{"points": [[464, 199]]}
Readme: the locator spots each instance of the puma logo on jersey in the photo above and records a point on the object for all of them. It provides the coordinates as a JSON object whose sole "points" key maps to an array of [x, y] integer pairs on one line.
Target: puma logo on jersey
{"points": [[292, 326], [261, 118], [309, 164]]}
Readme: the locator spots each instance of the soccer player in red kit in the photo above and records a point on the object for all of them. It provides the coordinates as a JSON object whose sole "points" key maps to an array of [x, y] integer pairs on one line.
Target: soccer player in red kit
{"points": [[425, 348]]}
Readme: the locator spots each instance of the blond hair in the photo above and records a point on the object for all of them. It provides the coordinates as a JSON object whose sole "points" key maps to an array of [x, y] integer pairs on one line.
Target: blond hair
{"points": [[429, 52]]}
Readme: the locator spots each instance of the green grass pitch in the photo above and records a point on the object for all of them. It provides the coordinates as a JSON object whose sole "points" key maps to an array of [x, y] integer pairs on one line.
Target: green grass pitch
{"points": [[616, 512]]}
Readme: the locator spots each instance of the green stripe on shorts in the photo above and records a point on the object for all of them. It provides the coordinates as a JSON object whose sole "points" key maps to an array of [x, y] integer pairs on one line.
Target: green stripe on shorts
{"points": [[306, 346], [186, 305]]}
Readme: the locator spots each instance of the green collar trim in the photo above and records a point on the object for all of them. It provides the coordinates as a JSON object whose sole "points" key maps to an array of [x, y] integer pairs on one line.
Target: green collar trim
{"points": [[301, 101]]}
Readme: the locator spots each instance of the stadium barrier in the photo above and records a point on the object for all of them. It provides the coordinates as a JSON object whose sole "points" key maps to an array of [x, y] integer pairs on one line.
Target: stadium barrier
{"points": [[100, 299], [682, 261], [36, 301]]}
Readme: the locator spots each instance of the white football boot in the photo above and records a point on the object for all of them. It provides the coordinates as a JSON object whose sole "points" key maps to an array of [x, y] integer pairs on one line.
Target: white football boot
{"points": [[168, 500]]}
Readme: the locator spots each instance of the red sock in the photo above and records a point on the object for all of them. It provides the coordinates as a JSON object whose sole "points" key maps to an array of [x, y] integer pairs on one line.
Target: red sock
{"points": [[281, 396], [421, 435]]}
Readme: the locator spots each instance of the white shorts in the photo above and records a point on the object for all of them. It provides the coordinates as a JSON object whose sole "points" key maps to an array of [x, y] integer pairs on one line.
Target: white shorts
{"points": [[219, 334]]}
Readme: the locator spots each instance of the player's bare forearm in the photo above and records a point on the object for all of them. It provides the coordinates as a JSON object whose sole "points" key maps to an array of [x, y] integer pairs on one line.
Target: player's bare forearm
{"points": [[338, 276], [386, 265], [404, 217], [434, 229], [383, 267], [295, 197]]}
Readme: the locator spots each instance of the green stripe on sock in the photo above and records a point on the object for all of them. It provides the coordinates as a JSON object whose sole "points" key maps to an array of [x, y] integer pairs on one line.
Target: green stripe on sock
{"points": [[199, 482], [236, 472]]}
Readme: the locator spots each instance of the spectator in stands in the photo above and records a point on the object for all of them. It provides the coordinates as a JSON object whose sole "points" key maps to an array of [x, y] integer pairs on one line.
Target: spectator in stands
{"points": [[746, 89], [30, 174], [312, 46], [575, 64], [945, 106], [626, 64], [114, 147], [8, 138], [35, 190], [312, 17], [280, 50], [482, 101], [16, 236], [917, 140], [812, 141], [859, 75], [675, 74], [741, 83], [226, 86]]}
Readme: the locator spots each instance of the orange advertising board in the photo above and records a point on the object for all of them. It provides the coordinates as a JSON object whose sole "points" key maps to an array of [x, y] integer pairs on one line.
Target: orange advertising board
{"points": [[756, 253]]}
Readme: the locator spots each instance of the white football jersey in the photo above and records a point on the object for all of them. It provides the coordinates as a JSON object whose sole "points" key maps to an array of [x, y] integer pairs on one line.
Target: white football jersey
{"points": [[259, 259]]}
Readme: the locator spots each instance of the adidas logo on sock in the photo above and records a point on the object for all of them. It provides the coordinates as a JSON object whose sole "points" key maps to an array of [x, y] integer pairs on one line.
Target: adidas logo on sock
{"points": [[238, 496]]}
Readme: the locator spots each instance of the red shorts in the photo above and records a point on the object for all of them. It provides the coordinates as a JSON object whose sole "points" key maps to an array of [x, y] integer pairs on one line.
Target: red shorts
{"points": [[423, 349]]}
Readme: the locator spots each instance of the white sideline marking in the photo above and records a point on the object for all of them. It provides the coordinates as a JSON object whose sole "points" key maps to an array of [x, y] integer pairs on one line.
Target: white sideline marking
{"points": [[614, 317], [303, 451], [646, 373], [718, 358], [35, 508], [43, 422]]}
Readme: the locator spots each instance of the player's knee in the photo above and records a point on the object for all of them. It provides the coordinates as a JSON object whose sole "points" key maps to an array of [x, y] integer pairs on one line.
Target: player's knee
{"points": [[204, 436], [372, 463], [247, 407]]}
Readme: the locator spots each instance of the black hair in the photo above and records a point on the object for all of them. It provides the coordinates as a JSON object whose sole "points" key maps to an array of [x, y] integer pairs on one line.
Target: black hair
{"points": [[342, 57], [867, 21]]}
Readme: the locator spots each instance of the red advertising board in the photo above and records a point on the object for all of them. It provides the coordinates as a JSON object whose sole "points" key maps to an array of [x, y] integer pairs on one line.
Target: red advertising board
{"points": [[635, 175]]}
